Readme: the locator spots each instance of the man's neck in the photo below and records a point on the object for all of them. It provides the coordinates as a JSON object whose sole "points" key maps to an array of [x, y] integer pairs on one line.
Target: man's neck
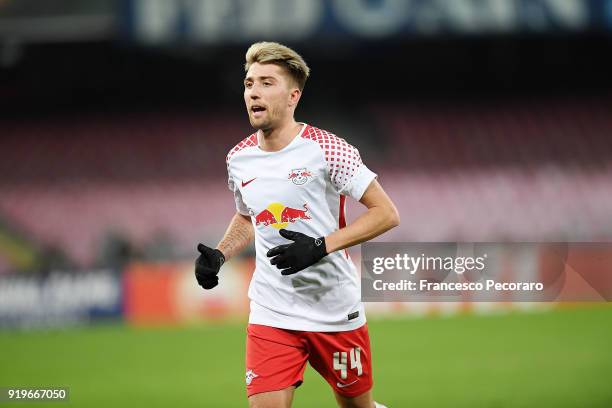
{"points": [[273, 140]]}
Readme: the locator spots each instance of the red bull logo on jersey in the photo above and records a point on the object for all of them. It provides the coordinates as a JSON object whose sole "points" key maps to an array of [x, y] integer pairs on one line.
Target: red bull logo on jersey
{"points": [[279, 216]]}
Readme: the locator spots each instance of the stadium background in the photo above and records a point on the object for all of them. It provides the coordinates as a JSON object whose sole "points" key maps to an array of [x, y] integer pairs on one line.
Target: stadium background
{"points": [[485, 120]]}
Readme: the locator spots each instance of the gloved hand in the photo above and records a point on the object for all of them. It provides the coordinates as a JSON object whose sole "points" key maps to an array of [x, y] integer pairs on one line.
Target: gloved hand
{"points": [[298, 255], [207, 266]]}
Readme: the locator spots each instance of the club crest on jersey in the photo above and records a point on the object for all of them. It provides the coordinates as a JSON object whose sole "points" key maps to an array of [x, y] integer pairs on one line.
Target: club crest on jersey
{"points": [[250, 375], [299, 177]]}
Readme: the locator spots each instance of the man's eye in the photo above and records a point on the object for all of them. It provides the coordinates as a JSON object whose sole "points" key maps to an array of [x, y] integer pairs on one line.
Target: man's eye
{"points": [[267, 83], [248, 85]]}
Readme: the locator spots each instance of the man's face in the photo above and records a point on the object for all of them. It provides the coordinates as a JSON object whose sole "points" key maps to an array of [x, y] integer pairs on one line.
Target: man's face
{"points": [[267, 95]]}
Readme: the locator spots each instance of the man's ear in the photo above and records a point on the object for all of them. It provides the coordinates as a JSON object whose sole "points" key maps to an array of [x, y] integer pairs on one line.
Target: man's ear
{"points": [[294, 96]]}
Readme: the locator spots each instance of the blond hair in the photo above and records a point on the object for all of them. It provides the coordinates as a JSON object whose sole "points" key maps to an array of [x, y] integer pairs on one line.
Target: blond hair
{"points": [[275, 53]]}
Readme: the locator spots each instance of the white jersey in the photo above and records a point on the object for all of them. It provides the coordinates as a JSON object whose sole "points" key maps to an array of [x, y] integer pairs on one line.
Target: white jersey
{"points": [[300, 188]]}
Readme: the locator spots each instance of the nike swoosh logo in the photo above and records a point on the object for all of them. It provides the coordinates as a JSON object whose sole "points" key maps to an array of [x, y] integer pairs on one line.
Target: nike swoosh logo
{"points": [[245, 184], [340, 385]]}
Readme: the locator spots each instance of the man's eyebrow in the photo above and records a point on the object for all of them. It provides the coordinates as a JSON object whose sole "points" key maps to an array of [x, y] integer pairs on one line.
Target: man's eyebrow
{"points": [[261, 78]]}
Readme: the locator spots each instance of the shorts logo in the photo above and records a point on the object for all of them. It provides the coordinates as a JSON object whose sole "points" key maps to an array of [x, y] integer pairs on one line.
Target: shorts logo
{"points": [[250, 375], [299, 177], [340, 385]]}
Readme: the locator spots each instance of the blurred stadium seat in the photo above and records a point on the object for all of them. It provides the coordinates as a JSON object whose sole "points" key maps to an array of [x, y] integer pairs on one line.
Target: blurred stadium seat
{"points": [[514, 171]]}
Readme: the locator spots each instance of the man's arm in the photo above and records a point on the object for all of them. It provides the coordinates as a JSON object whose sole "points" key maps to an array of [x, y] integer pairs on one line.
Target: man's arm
{"points": [[238, 235], [381, 216]]}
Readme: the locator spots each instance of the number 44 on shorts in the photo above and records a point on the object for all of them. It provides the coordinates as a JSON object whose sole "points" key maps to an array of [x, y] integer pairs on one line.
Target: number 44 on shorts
{"points": [[340, 358]]}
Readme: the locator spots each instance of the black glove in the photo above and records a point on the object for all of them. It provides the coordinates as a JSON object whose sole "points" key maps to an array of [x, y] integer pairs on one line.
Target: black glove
{"points": [[300, 254], [207, 266]]}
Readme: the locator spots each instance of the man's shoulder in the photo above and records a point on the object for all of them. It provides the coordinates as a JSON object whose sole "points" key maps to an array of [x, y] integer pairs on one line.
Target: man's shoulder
{"points": [[249, 141], [330, 143], [320, 135]]}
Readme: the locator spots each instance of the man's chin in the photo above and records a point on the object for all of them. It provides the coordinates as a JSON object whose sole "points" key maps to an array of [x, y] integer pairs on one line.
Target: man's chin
{"points": [[260, 124]]}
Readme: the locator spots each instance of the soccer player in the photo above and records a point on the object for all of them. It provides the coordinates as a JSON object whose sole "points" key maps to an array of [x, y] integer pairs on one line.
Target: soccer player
{"points": [[289, 182]]}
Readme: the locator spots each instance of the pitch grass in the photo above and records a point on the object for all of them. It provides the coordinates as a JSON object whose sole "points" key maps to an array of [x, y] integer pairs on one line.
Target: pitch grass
{"points": [[560, 358]]}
